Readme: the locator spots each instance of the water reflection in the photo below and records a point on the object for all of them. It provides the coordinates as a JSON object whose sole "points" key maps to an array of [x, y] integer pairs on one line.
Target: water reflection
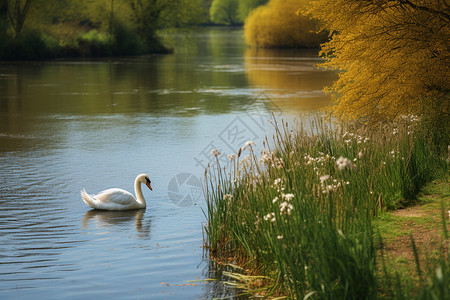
{"points": [[120, 219], [290, 77]]}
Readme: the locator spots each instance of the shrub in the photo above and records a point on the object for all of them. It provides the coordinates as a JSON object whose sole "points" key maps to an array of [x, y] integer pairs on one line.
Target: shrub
{"points": [[30, 45], [125, 40], [94, 44], [277, 24]]}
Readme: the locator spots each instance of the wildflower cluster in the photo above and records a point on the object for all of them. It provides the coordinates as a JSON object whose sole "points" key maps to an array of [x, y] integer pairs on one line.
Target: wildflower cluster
{"points": [[329, 184], [285, 206], [318, 163], [350, 136], [232, 157], [215, 153], [343, 163], [271, 217], [249, 144]]}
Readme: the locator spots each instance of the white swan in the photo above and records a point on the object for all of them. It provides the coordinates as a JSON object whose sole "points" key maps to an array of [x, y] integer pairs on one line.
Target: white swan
{"points": [[118, 199]]}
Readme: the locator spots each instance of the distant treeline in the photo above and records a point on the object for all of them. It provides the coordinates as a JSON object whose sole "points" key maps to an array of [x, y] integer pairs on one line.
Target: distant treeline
{"points": [[41, 29]]}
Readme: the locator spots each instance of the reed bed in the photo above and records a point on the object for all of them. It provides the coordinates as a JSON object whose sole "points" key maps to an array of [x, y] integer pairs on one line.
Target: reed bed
{"points": [[300, 209]]}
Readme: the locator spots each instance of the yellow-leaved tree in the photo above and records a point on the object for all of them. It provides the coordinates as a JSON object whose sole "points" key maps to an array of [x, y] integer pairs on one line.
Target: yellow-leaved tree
{"points": [[277, 25], [393, 57]]}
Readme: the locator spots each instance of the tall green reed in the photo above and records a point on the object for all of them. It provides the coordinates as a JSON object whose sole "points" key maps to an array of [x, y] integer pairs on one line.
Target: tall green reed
{"points": [[302, 212]]}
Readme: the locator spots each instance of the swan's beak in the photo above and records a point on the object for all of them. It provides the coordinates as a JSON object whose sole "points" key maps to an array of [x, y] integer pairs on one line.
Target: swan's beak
{"points": [[149, 186]]}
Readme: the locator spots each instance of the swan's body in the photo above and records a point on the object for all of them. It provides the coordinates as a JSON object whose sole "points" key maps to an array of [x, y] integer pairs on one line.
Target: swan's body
{"points": [[118, 199]]}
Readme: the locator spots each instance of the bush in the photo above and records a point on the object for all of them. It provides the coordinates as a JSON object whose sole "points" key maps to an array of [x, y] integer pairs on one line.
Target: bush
{"points": [[94, 44], [278, 25], [30, 45], [126, 41]]}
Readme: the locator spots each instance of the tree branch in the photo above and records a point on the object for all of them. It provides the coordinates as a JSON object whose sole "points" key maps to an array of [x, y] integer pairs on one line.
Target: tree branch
{"points": [[430, 10]]}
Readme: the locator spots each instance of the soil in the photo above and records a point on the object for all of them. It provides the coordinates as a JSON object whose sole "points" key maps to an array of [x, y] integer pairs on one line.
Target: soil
{"points": [[424, 223]]}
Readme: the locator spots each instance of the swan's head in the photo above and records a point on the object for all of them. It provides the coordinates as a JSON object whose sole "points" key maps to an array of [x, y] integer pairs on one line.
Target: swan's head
{"points": [[145, 180]]}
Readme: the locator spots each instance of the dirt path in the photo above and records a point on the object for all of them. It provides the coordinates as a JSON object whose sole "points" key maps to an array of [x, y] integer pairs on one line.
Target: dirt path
{"points": [[423, 222]]}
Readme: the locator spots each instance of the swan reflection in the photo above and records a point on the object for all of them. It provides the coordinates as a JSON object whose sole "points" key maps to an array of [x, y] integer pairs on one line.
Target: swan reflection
{"points": [[107, 219]]}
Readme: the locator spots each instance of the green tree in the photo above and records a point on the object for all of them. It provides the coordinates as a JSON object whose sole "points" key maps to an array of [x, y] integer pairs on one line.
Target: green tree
{"points": [[147, 14], [225, 12], [232, 12], [18, 11], [246, 6], [393, 57], [180, 13], [3, 17]]}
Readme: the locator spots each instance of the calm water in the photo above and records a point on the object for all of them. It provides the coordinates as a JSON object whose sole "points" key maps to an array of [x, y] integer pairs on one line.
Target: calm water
{"points": [[68, 125]]}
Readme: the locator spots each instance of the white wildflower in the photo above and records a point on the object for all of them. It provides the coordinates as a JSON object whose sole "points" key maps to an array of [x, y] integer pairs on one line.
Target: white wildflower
{"points": [[275, 200], [246, 161], [270, 217], [249, 143], [277, 181], [343, 163], [215, 152], [360, 154], [264, 158], [232, 156], [323, 178], [287, 197], [228, 197], [439, 274], [278, 163], [279, 237], [286, 208]]}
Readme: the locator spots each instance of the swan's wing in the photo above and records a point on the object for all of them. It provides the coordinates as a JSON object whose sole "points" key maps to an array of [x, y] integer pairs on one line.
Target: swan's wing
{"points": [[115, 196]]}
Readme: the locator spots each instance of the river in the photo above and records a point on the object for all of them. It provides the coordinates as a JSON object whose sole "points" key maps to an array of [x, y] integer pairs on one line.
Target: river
{"points": [[71, 124]]}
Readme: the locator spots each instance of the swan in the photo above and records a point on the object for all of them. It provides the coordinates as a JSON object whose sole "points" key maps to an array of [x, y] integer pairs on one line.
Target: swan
{"points": [[118, 199]]}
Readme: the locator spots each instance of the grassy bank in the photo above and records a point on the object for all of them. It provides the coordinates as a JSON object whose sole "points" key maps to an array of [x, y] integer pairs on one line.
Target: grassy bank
{"points": [[73, 40], [301, 213]]}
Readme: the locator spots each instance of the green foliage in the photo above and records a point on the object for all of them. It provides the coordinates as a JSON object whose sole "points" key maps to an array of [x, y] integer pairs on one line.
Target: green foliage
{"points": [[184, 13], [232, 12], [29, 45], [91, 28], [225, 12], [302, 213], [94, 44], [246, 7], [126, 41]]}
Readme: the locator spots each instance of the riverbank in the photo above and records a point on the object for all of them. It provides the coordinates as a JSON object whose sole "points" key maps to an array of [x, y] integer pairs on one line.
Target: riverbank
{"points": [[67, 41], [303, 213], [425, 223]]}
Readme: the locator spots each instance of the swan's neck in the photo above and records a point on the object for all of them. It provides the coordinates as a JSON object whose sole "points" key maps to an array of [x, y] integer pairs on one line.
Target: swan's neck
{"points": [[139, 196]]}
